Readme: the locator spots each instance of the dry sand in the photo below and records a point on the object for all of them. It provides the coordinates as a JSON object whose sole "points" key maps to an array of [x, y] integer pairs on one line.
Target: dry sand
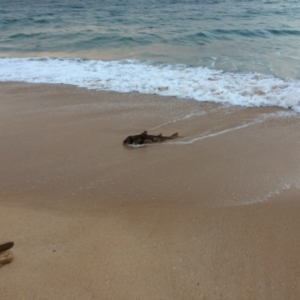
{"points": [[212, 215]]}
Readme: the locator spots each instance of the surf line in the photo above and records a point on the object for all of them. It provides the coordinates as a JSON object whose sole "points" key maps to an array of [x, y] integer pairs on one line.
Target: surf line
{"points": [[263, 118], [180, 119], [189, 116], [213, 134]]}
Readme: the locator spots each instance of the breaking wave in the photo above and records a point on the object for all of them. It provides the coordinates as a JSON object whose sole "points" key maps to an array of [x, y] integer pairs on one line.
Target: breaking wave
{"points": [[186, 82]]}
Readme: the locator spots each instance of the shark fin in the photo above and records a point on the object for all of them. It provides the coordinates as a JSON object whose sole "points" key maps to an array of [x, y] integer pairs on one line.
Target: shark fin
{"points": [[160, 135], [144, 133], [175, 135]]}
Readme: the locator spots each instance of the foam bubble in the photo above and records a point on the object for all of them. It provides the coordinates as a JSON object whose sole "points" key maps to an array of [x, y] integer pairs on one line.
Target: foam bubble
{"points": [[199, 83]]}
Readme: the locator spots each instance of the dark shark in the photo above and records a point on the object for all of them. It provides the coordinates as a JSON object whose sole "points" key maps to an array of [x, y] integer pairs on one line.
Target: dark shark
{"points": [[144, 137]]}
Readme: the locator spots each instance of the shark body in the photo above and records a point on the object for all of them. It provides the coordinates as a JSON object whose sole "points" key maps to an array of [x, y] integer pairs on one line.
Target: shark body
{"points": [[144, 137]]}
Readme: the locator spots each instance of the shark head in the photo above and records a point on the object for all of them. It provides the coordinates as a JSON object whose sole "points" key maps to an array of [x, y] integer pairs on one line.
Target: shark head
{"points": [[128, 140]]}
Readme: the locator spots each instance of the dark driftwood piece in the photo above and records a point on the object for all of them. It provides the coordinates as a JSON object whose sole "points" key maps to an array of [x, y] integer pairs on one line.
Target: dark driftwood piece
{"points": [[6, 246], [6, 255]]}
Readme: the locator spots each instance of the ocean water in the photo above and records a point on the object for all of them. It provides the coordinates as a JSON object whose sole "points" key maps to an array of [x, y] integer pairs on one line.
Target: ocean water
{"points": [[241, 52]]}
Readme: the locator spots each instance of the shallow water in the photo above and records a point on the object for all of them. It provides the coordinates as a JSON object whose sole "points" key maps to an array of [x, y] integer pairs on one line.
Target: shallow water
{"points": [[240, 52]]}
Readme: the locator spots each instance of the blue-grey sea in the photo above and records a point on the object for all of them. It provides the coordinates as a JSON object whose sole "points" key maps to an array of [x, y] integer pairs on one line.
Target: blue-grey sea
{"points": [[242, 52]]}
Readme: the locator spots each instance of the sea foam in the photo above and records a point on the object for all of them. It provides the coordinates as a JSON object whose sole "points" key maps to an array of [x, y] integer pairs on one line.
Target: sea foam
{"points": [[186, 82]]}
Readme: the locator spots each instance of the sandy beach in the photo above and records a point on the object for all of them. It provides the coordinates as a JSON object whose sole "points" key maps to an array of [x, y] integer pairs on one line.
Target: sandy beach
{"points": [[211, 215]]}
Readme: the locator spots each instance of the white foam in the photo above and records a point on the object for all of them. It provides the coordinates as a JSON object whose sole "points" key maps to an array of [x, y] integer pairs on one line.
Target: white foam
{"points": [[265, 196], [199, 83]]}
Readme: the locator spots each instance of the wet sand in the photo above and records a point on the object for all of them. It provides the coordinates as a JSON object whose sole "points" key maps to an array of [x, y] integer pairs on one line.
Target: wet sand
{"points": [[212, 215]]}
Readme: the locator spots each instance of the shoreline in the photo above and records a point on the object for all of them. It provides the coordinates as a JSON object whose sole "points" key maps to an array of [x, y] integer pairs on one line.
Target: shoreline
{"points": [[212, 216]]}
